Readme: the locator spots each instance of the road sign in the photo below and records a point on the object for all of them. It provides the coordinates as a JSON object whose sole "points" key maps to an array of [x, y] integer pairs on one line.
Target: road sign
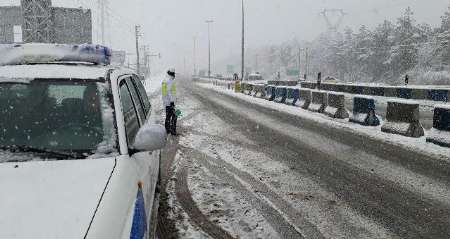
{"points": [[292, 72], [230, 69]]}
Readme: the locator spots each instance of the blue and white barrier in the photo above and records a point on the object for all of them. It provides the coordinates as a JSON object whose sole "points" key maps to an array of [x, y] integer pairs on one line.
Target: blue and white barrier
{"points": [[280, 94], [364, 111], [440, 133], [433, 93], [270, 93], [292, 96]]}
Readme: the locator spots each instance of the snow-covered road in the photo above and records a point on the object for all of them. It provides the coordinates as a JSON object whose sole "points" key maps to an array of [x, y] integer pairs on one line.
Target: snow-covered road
{"points": [[240, 170]]}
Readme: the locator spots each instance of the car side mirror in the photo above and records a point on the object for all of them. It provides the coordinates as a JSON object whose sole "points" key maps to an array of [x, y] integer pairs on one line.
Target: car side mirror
{"points": [[150, 137]]}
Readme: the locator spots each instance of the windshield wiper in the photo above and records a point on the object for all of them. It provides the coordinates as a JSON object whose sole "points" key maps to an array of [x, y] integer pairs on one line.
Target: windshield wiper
{"points": [[51, 153]]}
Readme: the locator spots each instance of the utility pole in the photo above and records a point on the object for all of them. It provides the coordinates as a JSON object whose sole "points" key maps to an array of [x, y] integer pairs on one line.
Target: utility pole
{"points": [[102, 20], [184, 66], [195, 56], [300, 62], [138, 34], [146, 71], [243, 43], [37, 21], [256, 62], [306, 63], [209, 47]]}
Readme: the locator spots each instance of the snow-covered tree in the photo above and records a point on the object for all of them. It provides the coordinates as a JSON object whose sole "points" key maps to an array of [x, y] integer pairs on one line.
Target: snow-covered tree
{"points": [[406, 52]]}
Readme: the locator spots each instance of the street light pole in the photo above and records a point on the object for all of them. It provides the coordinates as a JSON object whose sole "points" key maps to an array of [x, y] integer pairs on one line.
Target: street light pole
{"points": [[209, 47], [195, 56], [243, 43], [138, 34]]}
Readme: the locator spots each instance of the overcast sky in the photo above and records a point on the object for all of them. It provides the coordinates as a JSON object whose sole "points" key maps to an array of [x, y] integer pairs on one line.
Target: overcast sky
{"points": [[169, 26]]}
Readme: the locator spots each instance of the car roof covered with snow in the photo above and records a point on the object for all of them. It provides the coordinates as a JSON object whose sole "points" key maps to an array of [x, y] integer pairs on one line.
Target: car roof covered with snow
{"points": [[55, 71]]}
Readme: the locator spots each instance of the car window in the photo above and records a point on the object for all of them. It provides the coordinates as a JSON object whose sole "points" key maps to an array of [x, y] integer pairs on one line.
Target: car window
{"points": [[58, 115], [129, 113], [143, 95], [136, 100]]}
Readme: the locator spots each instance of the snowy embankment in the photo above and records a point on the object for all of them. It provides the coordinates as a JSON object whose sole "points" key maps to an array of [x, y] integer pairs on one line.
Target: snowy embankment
{"points": [[413, 144]]}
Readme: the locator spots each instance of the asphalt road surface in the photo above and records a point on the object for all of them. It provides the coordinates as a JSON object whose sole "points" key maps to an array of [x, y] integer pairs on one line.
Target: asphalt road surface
{"points": [[243, 171]]}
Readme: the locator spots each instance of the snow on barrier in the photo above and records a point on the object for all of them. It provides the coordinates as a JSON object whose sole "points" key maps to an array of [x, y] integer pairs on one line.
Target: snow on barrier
{"points": [[304, 99], [402, 118], [318, 102], [440, 133], [259, 91], [364, 111], [243, 86], [254, 90], [280, 94], [336, 106], [270, 93], [247, 88], [292, 96]]}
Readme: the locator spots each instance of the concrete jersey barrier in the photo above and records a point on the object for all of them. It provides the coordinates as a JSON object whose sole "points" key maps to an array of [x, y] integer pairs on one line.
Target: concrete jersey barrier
{"points": [[283, 82], [433, 93], [270, 93], [304, 98], [280, 94], [402, 117], [247, 88], [440, 133], [259, 91], [243, 87], [364, 111], [318, 102], [292, 96], [336, 106]]}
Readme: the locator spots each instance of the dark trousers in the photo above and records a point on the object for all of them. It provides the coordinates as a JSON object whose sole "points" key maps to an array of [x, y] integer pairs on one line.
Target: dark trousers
{"points": [[171, 119]]}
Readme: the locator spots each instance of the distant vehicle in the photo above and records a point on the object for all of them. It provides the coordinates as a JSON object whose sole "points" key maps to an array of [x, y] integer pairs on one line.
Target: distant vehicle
{"points": [[79, 157], [255, 76], [218, 76], [330, 79]]}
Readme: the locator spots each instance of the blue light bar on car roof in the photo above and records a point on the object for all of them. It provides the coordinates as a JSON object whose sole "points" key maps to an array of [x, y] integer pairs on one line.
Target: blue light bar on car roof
{"points": [[23, 54]]}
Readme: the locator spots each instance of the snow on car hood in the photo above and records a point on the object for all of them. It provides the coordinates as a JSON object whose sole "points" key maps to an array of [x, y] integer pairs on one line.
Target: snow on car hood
{"points": [[51, 199]]}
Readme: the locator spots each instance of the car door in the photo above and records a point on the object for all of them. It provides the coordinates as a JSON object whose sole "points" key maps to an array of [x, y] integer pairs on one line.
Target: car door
{"points": [[148, 163]]}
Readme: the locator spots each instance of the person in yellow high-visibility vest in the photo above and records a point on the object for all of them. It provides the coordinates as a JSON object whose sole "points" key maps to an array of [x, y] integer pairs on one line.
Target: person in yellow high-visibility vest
{"points": [[169, 92]]}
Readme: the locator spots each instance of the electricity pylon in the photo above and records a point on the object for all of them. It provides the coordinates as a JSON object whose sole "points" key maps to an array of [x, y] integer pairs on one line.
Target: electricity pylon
{"points": [[37, 22]]}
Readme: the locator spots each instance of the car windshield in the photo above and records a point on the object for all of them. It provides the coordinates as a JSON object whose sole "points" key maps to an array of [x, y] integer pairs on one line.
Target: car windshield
{"points": [[56, 118]]}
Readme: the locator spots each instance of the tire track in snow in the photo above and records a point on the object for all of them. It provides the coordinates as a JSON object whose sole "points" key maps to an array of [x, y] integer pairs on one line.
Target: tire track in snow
{"points": [[189, 206], [405, 213], [280, 214]]}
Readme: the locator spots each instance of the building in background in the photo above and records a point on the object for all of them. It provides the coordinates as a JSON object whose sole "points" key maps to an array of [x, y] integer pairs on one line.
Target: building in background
{"points": [[44, 23]]}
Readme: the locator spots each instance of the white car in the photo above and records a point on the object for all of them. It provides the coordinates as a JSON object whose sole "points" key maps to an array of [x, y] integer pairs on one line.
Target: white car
{"points": [[79, 156], [255, 77]]}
